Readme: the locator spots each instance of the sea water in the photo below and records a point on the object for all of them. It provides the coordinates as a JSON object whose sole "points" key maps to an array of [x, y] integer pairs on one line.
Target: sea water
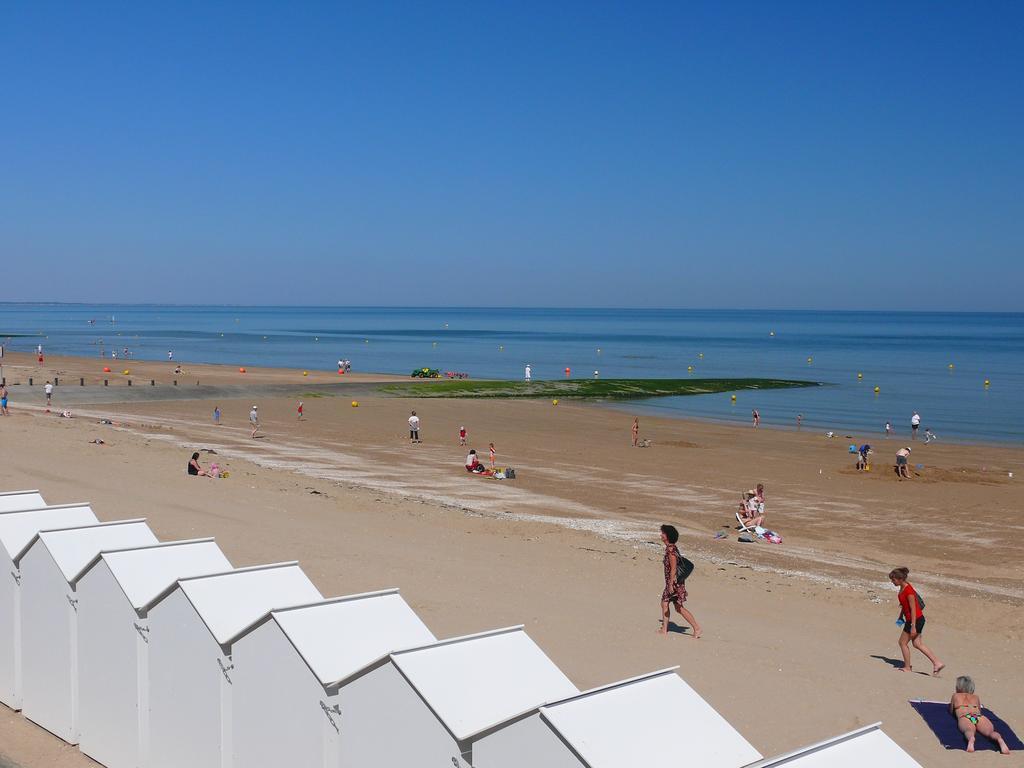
{"points": [[907, 355]]}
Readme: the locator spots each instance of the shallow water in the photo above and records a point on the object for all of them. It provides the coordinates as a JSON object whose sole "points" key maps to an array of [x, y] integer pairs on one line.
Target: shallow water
{"points": [[906, 355]]}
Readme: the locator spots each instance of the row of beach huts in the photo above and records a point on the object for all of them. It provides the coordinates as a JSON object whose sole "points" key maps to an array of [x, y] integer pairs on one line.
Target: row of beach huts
{"points": [[163, 655]]}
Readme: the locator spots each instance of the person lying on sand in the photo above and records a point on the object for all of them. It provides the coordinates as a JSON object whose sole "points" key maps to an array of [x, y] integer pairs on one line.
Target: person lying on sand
{"points": [[965, 706]]}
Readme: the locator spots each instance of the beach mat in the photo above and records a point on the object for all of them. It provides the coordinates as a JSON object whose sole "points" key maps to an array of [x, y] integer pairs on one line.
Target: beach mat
{"points": [[943, 725]]}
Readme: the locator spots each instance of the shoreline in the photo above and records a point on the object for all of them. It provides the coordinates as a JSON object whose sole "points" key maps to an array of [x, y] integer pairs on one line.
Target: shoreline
{"points": [[359, 383]]}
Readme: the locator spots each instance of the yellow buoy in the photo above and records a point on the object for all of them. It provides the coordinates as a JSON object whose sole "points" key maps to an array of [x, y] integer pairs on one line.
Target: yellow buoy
{"points": [[554, 402], [305, 373], [700, 355], [689, 368], [877, 390], [126, 372], [355, 403], [986, 382], [810, 359], [733, 398], [860, 375]]}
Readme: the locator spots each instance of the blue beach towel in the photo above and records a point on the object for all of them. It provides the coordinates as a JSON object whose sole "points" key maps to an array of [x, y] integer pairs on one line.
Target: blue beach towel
{"points": [[943, 725]]}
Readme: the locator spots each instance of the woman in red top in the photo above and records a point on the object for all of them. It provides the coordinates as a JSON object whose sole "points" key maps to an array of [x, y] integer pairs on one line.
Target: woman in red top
{"points": [[912, 619]]}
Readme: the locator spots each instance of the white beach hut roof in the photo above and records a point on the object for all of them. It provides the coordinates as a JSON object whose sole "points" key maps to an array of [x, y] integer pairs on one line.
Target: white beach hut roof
{"points": [[73, 549], [16, 501], [337, 638], [867, 746], [147, 571], [230, 602], [18, 529], [625, 724], [475, 682]]}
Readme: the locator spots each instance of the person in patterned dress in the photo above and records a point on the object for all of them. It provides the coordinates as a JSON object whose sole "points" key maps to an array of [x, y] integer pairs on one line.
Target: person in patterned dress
{"points": [[675, 591]]}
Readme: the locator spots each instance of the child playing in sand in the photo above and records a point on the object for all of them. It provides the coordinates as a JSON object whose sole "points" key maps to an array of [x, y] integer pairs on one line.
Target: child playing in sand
{"points": [[965, 706]]}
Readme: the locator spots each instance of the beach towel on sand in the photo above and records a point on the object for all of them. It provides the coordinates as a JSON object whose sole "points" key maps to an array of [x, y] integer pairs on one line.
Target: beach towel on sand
{"points": [[943, 725]]}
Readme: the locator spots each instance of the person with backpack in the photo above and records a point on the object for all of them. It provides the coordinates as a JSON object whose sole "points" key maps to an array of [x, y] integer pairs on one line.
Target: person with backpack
{"points": [[677, 569], [912, 621]]}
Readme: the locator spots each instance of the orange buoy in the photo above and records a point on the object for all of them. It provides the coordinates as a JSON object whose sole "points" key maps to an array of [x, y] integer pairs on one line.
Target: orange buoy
{"points": [[241, 370], [106, 369]]}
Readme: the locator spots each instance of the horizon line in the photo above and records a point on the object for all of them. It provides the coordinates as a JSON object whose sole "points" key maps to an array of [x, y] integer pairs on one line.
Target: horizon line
{"points": [[511, 306]]}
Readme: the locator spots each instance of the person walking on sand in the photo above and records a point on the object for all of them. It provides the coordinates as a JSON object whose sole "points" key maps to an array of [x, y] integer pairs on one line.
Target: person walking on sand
{"points": [[254, 420], [48, 389], [675, 584], [3, 400], [915, 424], [528, 373], [300, 410], [912, 621], [216, 415], [462, 435], [636, 431], [965, 706], [414, 428], [493, 454], [756, 416]]}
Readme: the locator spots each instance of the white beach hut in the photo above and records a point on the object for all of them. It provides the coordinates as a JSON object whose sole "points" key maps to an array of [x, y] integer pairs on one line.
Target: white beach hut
{"points": [[292, 668], [114, 593], [867, 746], [428, 706], [49, 616], [16, 501], [190, 666], [17, 529], [626, 723]]}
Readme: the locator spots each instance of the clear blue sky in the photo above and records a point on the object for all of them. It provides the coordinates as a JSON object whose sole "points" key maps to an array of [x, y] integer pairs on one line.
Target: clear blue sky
{"points": [[720, 154]]}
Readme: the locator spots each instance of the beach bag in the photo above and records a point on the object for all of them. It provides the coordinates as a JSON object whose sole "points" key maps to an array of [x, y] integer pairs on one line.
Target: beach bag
{"points": [[684, 567], [510, 474]]}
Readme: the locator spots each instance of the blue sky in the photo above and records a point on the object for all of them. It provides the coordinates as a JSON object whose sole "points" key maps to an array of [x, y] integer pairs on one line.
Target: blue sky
{"points": [[805, 155]]}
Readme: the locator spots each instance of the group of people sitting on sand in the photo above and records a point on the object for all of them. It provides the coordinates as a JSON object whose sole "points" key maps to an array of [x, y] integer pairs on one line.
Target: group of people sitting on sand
{"points": [[751, 511]]}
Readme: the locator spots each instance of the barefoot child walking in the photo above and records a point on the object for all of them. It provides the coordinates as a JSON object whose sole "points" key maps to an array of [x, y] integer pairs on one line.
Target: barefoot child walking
{"points": [[912, 621], [493, 455]]}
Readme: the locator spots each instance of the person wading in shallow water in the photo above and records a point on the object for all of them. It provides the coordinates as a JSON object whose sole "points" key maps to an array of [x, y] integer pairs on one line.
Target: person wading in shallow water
{"points": [[675, 587]]}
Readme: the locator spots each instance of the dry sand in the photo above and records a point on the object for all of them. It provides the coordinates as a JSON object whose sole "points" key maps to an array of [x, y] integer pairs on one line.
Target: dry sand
{"points": [[799, 638]]}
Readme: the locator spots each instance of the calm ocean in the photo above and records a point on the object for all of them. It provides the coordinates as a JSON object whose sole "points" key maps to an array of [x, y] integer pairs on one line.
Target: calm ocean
{"points": [[906, 355]]}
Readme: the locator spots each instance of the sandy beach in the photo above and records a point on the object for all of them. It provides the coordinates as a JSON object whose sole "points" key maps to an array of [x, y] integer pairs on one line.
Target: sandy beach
{"points": [[799, 638]]}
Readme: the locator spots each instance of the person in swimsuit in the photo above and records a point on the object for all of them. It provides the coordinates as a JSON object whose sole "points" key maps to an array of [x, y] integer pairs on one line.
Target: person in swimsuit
{"points": [[635, 431], [194, 469], [3, 401], [965, 706], [675, 591], [912, 621]]}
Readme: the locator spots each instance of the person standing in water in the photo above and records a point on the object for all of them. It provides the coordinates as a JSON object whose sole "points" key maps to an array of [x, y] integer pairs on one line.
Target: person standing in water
{"points": [[799, 421], [528, 373], [756, 417], [912, 621], [675, 587]]}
